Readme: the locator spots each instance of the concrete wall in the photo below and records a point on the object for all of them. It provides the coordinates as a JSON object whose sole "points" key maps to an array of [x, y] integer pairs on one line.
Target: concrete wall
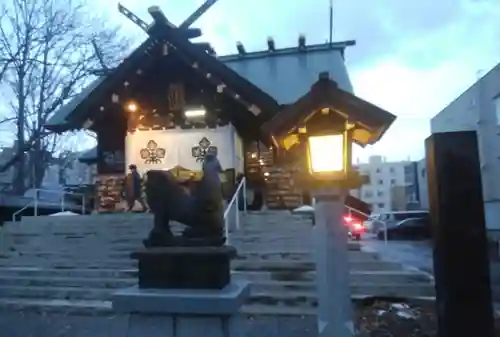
{"points": [[476, 109], [178, 145]]}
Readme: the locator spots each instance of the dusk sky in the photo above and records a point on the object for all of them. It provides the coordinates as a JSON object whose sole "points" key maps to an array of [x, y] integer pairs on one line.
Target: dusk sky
{"points": [[411, 58]]}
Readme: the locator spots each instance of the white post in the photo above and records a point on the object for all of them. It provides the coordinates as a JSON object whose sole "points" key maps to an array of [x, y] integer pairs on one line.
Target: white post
{"points": [[226, 229], [62, 202], [385, 232], [244, 195], [237, 211], [332, 266], [35, 203]]}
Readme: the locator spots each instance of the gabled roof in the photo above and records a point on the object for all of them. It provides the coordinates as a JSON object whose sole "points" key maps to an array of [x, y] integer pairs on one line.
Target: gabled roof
{"points": [[370, 121], [73, 114], [286, 74], [278, 77]]}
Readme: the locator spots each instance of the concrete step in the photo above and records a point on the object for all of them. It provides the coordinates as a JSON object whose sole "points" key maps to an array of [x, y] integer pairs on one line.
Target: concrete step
{"points": [[289, 293], [66, 307], [115, 280], [126, 245], [375, 277], [67, 282], [94, 308], [86, 225], [55, 293], [309, 265], [356, 276], [73, 272], [108, 253], [72, 262], [364, 286], [388, 289]]}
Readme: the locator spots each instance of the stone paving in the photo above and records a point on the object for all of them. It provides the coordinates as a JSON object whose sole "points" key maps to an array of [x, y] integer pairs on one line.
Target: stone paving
{"points": [[23, 324]]}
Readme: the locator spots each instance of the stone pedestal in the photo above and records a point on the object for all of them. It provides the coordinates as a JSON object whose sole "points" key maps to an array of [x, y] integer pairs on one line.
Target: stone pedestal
{"points": [[179, 267], [183, 292], [183, 312]]}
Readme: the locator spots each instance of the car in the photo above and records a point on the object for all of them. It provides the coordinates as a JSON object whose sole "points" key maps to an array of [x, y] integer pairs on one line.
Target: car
{"points": [[408, 229], [354, 226], [391, 218]]}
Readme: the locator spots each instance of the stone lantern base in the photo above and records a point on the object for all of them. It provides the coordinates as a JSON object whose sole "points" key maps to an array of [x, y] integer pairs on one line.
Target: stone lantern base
{"points": [[179, 297]]}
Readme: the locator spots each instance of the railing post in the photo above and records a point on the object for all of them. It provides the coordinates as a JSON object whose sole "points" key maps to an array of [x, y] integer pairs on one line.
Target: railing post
{"points": [[83, 204], [226, 230], [237, 212], [35, 204], [244, 195], [62, 202]]}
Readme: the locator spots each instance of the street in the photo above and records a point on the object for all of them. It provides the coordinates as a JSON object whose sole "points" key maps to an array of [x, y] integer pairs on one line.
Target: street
{"points": [[417, 254]]}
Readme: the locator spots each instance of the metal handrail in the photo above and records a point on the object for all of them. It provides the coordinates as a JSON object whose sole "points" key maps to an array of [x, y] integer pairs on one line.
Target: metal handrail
{"points": [[35, 201], [242, 186], [62, 193], [20, 210]]}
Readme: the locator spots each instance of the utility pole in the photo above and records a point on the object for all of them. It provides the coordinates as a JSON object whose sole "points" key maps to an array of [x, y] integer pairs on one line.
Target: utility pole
{"points": [[331, 22]]}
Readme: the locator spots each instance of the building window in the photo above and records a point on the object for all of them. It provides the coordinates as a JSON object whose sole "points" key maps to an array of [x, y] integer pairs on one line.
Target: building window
{"points": [[392, 170], [423, 173], [496, 100], [377, 170], [380, 182], [379, 194], [368, 194], [393, 182], [381, 205]]}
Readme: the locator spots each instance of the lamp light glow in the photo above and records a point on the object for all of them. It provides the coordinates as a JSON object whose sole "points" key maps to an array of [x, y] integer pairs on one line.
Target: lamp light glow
{"points": [[195, 113], [326, 153], [132, 107]]}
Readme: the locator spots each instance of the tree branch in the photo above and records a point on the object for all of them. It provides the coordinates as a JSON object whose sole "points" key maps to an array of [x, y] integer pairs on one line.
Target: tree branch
{"points": [[47, 51]]}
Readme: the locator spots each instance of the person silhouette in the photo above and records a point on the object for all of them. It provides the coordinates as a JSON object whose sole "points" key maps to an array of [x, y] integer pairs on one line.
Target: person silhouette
{"points": [[133, 189]]}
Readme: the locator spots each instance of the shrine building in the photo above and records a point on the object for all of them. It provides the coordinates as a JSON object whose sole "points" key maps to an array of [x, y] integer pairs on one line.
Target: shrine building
{"points": [[171, 101]]}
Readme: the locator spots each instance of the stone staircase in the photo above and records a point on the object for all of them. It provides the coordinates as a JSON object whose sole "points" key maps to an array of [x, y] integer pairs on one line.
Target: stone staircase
{"points": [[76, 262]]}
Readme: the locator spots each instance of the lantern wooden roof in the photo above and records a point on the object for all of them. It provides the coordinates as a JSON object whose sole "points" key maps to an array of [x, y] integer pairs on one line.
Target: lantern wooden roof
{"points": [[370, 121]]}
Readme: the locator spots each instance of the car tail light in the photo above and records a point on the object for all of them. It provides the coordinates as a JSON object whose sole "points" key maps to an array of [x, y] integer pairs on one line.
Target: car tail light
{"points": [[358, 227], [347, 218]]}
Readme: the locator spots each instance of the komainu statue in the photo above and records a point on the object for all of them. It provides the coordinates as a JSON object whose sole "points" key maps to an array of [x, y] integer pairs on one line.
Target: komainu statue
{"points": [[202, 211]]}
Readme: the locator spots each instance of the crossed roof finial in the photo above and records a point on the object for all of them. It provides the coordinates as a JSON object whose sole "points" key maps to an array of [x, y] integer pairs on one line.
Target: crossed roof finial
{"points": [[157, 14]]}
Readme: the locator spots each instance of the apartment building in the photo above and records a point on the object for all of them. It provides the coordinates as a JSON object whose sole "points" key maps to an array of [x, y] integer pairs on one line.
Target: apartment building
{"points": [[393, 185], [478, 108]]}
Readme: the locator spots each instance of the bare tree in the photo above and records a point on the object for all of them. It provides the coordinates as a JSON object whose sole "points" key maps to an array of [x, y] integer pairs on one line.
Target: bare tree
{"points": [[48, 49]]}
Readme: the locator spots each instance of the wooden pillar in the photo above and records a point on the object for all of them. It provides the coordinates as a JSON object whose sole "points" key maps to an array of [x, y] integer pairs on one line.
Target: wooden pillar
{"points": [[111, 132], [461, 263]]}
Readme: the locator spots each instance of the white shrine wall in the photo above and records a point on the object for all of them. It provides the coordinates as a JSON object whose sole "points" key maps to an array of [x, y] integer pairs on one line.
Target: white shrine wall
{"points": [[177, 145]]}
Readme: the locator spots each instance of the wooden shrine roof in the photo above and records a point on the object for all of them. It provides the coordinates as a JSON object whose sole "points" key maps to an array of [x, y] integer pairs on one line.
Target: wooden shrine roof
{"points": [[74, 114], [271, 78]]}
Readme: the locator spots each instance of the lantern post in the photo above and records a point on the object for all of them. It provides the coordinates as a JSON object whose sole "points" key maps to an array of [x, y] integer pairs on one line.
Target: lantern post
{"points": [[318, 131]]}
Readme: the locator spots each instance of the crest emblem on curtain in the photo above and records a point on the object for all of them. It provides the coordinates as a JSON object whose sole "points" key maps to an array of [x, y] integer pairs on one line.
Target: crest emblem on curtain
{"points": [[202, 149], [152, 154]]}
